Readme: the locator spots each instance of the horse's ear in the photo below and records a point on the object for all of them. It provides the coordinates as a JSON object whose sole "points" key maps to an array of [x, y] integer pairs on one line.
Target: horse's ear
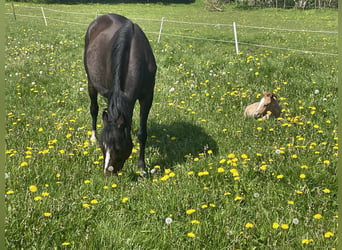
{"points": [[120, 121], [105, 117]]}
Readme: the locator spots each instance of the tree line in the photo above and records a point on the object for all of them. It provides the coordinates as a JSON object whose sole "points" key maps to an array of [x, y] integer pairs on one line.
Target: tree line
{"points": [[213, 5]]}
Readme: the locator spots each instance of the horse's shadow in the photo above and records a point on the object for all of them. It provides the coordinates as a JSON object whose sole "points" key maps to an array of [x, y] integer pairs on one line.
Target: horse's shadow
{"points": [[172, 144]]}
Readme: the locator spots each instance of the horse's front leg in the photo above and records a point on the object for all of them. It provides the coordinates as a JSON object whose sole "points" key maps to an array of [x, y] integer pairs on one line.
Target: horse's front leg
{"points": [[94, 110], [145, 107]]}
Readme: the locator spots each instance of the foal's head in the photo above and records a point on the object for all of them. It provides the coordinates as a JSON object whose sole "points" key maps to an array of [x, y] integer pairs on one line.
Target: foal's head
{"points": [[268, 103], [116, 143]]}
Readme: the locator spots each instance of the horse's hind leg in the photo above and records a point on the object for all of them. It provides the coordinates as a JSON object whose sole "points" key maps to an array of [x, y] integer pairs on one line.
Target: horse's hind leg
{"points": [[94, 110], [145, 106]]}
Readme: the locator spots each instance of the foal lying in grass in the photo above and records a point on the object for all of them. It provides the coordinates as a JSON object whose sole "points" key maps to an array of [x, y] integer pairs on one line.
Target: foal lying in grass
{"points": [[267, 107]]}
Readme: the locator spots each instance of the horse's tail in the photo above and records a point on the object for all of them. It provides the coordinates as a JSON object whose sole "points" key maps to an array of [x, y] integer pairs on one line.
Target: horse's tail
{"points": [[120, 59]]}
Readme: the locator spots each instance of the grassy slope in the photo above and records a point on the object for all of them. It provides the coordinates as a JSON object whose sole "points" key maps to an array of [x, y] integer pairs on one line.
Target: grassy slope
{"points": [[221, 165]]}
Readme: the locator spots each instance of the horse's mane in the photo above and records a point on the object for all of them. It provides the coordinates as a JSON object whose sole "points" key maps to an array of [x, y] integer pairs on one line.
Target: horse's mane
{"points": [[118, 103]]}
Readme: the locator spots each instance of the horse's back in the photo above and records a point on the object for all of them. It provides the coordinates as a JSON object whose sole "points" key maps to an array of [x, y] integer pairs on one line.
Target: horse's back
{"points": [[250, 109], [98, 54]]}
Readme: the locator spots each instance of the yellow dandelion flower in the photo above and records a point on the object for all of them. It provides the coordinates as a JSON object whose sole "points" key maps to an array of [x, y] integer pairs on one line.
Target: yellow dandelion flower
{"points": [[190, 211], [125, 199], [317, 216], [45, 194], [249, 225], [307, 241], [23, 164], [284, 226], [33, 188], [280, 176], [231, 156], [220, 170], [191, 235], [114, 185], [47, 214], [65, 243], [222, 161], [165, 177], [152, 211], [203, 173], [204, 206], [263, 167], [85, 205], [37, 198], [326, 191], [290, 202], [302, 176], [234, 172], [195, 222], [94, 201], [275, 225], [329, 234], [237, 198], [86, 181], [10, 192]]}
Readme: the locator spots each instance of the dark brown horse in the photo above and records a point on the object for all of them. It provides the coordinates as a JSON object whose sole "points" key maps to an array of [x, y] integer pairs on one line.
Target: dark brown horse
{"points": [[121, 67]]}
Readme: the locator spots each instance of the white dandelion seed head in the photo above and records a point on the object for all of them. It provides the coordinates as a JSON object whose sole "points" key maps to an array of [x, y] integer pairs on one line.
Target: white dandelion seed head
{"points": [[168, 221], [110, 168], [33, 83], [316, 91], [171, 90], [295, 221], [277, 151], [81, 89], [256, 195]]}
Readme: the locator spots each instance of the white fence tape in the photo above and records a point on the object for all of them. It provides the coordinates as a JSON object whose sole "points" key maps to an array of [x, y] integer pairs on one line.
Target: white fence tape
{"points": [[163, 21]]}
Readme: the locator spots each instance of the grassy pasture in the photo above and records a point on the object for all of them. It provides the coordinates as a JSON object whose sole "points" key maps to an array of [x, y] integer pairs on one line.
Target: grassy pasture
{"points": [[224, 181]]}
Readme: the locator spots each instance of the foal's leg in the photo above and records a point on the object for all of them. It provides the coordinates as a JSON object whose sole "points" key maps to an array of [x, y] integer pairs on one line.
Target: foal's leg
{"points": [[145, 106], [94, 110]]}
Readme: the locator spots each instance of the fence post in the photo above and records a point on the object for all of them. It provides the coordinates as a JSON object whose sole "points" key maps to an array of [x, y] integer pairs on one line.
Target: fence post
{"points": [[44, 16], [15, 18], [161, 28], [235, 39]]}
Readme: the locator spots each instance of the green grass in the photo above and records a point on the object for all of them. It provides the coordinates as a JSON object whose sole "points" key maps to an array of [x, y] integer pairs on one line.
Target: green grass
{"points": [[240, 177]]}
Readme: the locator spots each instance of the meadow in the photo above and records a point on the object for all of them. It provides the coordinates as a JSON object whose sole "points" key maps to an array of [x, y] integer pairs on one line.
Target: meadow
{"points": [[221, 181]]}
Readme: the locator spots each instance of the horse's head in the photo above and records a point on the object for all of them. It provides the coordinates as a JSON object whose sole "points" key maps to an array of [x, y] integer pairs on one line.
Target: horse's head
{"points": [[116, 143], [268, 102]]}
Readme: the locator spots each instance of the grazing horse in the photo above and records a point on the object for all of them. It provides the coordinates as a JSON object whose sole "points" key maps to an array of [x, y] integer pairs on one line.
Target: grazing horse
{"points": [[266, 108], [120, 65]]}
